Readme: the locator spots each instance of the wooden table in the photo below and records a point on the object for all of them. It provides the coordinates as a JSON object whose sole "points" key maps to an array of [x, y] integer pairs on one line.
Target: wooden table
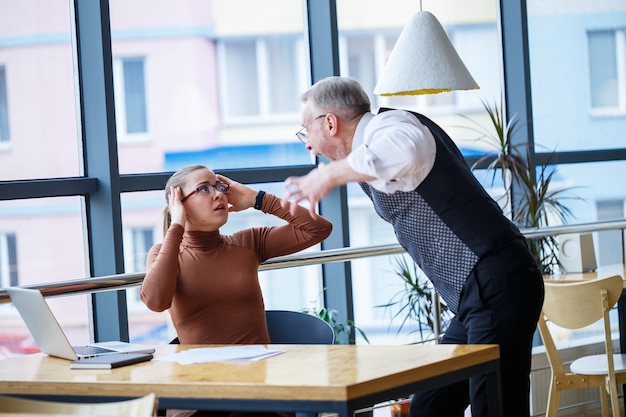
{"points": [[36, 415], [16, 414], [314, 378], [600, 272]]}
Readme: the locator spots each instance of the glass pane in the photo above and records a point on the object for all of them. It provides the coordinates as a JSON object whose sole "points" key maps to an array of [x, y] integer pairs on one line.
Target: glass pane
{"points": [[578, 95], [295, 288], [594, 197], [368, 36], [368, 33], [380, 299], [70, 311], [42, 241], [135, 96], [240, 75], [603, 69], [283, 80], [38, 127], [208, 83], [4, 110], [141, 225]]}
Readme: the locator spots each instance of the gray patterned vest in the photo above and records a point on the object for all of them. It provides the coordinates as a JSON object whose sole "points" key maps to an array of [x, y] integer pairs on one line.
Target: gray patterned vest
{"points": [[448, 222]]}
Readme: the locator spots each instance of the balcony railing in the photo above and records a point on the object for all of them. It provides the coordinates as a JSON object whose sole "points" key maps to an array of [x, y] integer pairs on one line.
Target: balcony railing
{"points": [[120, 281]]}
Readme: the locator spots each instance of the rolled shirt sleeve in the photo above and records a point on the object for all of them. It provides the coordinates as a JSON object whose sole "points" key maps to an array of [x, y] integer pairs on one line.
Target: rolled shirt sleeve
{"points": [[394, 147]]}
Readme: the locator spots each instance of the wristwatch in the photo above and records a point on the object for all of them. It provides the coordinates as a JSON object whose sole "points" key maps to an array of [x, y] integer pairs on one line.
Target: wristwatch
{"points": [[259, 200]]}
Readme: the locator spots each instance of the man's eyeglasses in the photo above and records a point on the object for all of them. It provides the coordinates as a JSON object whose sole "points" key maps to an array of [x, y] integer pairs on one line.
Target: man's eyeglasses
{"points": [[220, 186], [302, 135]]}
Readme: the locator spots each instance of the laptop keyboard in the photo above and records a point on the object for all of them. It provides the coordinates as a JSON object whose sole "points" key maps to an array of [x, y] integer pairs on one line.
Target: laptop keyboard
{"points": [[91, 350]]}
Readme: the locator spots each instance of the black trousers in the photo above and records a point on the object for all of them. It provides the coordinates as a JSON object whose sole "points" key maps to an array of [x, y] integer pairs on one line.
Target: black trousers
{"points": [[500, 304]]}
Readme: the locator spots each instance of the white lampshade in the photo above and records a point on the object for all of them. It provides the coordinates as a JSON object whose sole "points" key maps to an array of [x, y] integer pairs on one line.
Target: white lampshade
{"points": [[423, 61]]}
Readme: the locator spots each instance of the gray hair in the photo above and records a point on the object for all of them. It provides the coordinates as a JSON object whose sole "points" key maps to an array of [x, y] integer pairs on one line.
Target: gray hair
{"points": [[341, 95], [177, 179]]}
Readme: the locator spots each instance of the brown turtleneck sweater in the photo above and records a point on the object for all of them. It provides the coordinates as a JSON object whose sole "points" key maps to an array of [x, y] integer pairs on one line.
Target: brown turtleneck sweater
{"points": [[210, 282]]}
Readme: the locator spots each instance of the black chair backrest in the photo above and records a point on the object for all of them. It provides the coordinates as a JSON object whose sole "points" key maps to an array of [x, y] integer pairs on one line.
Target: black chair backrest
{"points": [[295, 328]]}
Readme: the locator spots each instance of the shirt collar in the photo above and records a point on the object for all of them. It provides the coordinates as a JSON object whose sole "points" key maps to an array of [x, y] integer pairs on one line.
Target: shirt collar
{"points": [[359, 133]]}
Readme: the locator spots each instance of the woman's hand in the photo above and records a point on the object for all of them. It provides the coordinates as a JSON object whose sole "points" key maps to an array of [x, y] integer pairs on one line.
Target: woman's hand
{"points": [[176, 207], [239, 197]]}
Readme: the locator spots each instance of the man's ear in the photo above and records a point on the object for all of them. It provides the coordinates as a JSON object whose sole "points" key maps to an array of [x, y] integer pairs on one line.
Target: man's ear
{"points": [[332, 124]]}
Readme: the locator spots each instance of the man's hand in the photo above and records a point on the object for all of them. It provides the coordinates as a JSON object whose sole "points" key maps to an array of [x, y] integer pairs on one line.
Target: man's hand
{"points": [[312, 187], [318, 183]]}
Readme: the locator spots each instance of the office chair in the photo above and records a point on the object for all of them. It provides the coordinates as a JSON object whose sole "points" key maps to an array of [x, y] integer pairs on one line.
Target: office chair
{"points": [[139, 407], [295, 328], [574, 305]]}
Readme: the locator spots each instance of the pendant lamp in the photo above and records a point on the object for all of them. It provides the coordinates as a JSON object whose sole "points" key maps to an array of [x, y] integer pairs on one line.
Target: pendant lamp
{"points": [[423, 61]]}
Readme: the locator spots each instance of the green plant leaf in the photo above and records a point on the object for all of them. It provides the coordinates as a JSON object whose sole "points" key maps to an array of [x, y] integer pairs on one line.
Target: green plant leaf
{"points": [[539, 202], [414, 302], [330, 316]]}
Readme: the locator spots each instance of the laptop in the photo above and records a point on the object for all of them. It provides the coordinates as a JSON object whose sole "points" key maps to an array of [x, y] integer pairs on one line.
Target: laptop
{"points": [[49, 335]]}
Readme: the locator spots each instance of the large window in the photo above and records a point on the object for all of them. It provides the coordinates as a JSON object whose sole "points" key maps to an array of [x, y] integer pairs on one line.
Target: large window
{"points": [[39, 133], [212, 83], [365, 45], [579, 94]]}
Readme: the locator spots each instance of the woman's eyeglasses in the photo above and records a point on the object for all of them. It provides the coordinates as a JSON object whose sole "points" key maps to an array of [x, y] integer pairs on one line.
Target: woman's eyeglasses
{"points": [[220, 186]]}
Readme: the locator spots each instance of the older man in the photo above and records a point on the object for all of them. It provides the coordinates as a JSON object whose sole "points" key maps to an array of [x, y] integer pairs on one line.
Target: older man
{"points": [[419, 182]]}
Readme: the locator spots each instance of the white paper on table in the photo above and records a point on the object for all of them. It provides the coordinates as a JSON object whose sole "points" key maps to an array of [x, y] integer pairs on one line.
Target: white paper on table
{"points": [[239, 353]]}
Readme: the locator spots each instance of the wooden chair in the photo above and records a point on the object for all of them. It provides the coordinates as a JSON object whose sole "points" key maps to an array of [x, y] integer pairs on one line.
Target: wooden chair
{"points": [[139, 407], [574, 305]]}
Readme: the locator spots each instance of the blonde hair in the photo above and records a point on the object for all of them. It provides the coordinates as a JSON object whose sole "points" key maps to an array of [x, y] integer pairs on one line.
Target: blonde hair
{"points": [[177, 179]]}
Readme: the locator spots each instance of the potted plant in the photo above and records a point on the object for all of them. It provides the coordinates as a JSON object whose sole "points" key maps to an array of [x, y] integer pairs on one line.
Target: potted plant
{"points": [[416, 303], [538, 202], [343, 329]]}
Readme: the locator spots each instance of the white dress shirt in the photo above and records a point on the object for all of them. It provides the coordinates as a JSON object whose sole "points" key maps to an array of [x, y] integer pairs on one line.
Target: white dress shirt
{"points": [[395, 147]]}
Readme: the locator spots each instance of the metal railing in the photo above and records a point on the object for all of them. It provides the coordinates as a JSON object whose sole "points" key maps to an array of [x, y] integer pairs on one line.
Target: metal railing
{"points": [[120, 281]]}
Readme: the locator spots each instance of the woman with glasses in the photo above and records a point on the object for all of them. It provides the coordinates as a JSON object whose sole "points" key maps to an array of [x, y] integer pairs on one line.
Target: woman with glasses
{"points": [[207, 280]]}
